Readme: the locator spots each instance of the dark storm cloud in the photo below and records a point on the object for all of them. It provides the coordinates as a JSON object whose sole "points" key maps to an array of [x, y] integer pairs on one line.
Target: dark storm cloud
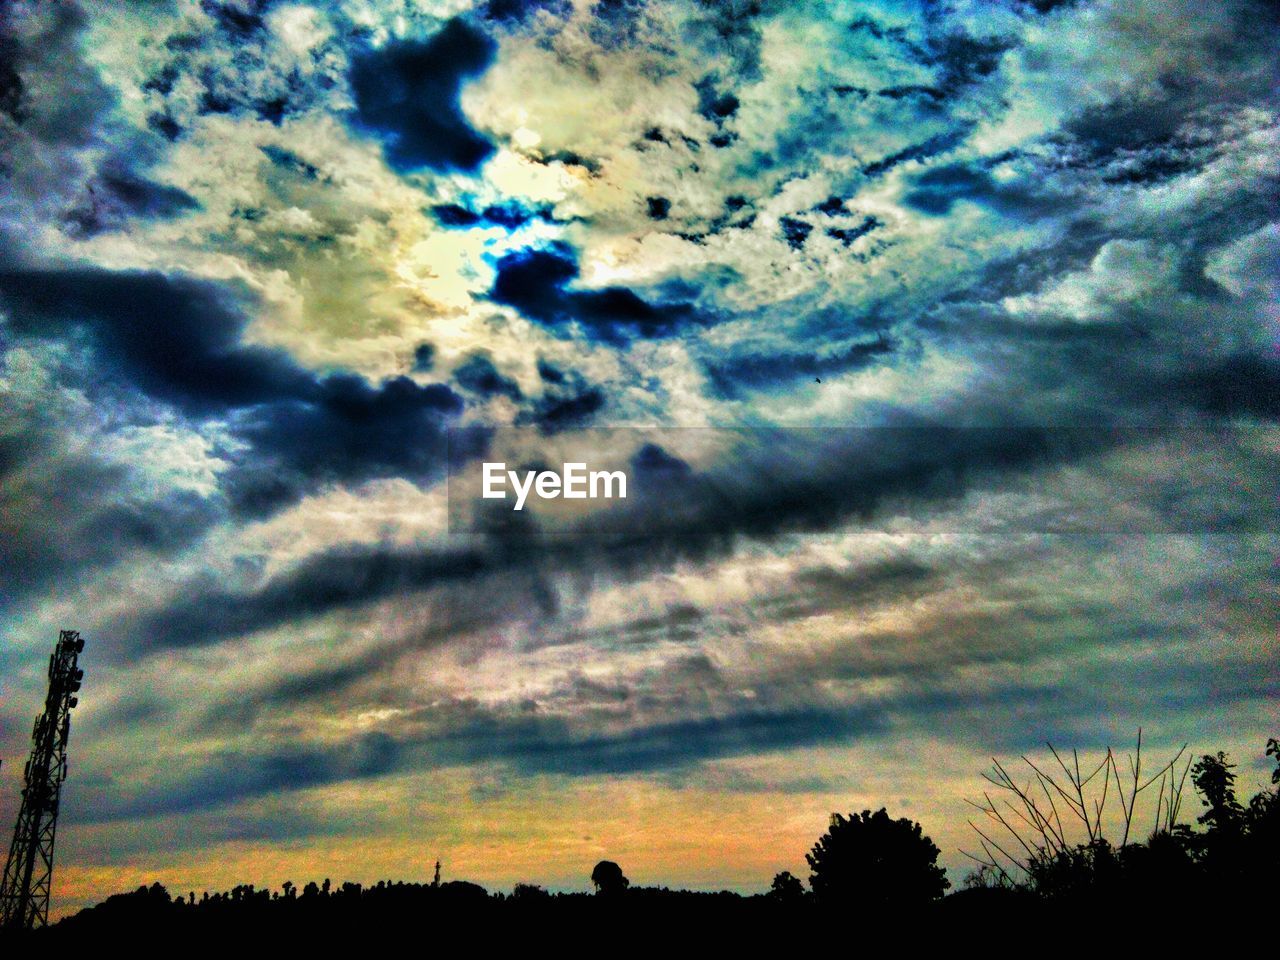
{"points": [[460, 732], [828, 589], [732, 29], [658, 207], [568, 400], [240, 20], [178, 340], [782, 715], [455, 215], [776, 371], [273, 819], [68, 504], [41, 45], [664, 746], [924, 150], [509, 215], [957, 58], [538, 284], [1241, 384], [936, 190], [234, 775], [652, 461], [320, 584], [794, 231], [346, 430], [516, 12], [12, 92], [616, 23], [909, 90], [530, 744], [234, 69], [833, 206], [787, 481], [1144, 361], [478, 375], [64, 513], [1171, 120], [714, 103], [115, 196], [549, 372], [288, 160], [408, 90], [314, 684], [55, 113], [1024, 271], [846, 235], [513, 215], [424, 357], [962, 60], [561, 409], [683, 623], [1047, 6]]}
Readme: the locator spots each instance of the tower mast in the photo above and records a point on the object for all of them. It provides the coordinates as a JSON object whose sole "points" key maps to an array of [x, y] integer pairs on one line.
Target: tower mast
{"points": [[28, 873]]}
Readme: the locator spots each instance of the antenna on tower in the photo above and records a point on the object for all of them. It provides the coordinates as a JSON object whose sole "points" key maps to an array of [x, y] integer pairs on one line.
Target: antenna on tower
{"points": [[28, 873]]}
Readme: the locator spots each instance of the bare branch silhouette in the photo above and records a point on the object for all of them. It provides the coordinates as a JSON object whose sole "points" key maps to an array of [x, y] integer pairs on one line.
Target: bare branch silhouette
{"points": [[1031, 814]]}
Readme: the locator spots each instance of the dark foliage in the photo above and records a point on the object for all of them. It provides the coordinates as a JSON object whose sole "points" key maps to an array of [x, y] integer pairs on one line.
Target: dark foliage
{"points": [[1233, 861], [873, 860], [787, 888], [1216, 784], [882, 869], [325, 914], [608, 879]]}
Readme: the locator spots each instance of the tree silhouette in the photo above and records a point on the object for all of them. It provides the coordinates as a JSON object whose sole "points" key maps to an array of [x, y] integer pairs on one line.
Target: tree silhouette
{"points": [[529, 893], [608, 879], [872, 859], [786, 888], [1264, 821], [1215, 782]]}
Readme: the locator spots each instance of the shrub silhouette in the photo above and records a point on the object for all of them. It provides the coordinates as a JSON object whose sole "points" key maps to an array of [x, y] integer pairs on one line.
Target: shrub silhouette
{"points": [[871, 859], [1234, 857], [608, 879]]}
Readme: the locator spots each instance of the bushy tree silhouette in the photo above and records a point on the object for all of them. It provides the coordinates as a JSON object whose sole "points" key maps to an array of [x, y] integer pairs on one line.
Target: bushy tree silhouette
{"points": [[1215, 782], [872, 859], [608, 879], [786, 888]]}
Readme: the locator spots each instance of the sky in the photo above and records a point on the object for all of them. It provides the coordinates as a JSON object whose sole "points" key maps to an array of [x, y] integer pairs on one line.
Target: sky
{"points": [[943, 334]]}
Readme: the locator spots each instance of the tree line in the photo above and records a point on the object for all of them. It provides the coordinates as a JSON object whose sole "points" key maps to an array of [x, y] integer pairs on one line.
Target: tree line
{"points": [[1051, 840]]}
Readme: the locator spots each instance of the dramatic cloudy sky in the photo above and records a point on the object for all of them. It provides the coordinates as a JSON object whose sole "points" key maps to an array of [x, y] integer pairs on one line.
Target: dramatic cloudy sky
{"points": [[974, 306]]}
